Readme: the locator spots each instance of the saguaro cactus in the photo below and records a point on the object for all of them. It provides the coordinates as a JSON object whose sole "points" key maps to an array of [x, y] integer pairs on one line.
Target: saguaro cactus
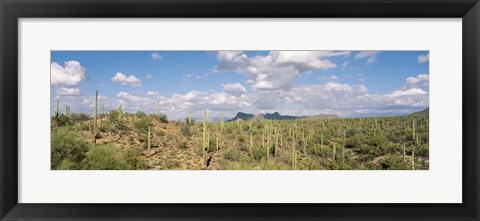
{"points": [[149, 140], [413, 129], [95, 115], [158, 107], [294, 152], [218, 134], [321, 142], [120, 113], [412, 159], [404, 152], [343, 148], [204, 136], [334, 151], [251, 142], [57, 111]]}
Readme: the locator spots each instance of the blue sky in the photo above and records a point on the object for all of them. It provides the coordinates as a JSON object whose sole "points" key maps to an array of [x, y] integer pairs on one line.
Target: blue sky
{"points": [[348, 83]]}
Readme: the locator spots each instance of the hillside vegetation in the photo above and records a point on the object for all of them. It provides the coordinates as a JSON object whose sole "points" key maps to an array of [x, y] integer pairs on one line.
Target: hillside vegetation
{"points": [[137, 141]]}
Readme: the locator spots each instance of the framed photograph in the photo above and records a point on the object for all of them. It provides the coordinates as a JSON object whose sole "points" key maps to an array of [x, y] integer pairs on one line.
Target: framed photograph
{"points": [[255, 110]]}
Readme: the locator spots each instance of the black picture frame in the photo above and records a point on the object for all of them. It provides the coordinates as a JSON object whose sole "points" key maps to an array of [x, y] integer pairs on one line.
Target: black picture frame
{"points": [[12, 10]]}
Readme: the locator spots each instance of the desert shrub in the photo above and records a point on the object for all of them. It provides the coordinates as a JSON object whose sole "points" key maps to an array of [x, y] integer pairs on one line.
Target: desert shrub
{"points": [[231, 154], [323, 152], [188, 121], [76, 117], [241, 139], [140, 114], [350, 133], [141, 124], [272, 165], [160, 133], [69, 145], [394, 163], [61, 121], [133, 159], [171, 164], [162, 118], [105, 157], [309, 164], [186, 130], [212, 145], [258, 153], [422, 150]]}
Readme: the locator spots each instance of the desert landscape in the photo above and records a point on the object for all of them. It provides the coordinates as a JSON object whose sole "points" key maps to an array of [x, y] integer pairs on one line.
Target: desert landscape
{"points": [[122, 141], [258, 110]]}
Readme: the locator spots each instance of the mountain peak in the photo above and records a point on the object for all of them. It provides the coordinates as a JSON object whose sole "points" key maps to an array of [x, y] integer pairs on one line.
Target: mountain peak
{"points": [[278, 116]]}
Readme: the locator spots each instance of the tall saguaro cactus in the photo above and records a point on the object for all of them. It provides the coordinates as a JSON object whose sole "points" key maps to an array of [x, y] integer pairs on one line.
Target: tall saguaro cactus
{"points": [[120, 113], [413, 130], [204, 137], [412, 159], [57, 112], [95, 120], [149, 140]]}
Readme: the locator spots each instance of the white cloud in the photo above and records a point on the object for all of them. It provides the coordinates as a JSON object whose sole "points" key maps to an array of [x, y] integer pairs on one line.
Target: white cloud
{"points": [[278, 69], [423, 58], [153, 93], [134, 103], [371, 56], [419, 80], [408, 92], [131, 80], [66, 91], [156, 56], [330, 78], [345, 64], [148, 76], [72, 74], [234, 89]]}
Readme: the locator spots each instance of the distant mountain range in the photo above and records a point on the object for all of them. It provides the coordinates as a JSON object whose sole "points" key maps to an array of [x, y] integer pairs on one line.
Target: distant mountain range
{"points": [[421, 113], [278, 116]]}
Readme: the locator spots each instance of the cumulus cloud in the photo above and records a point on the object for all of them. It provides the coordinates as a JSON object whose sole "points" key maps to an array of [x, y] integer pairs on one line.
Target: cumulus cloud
{"points": [[71, 74], [156, 56], [66, 91], [419, 80], [278, 69], [132, 102], [153, 93], [423, 58], [234, 89], [131, 80], [370, 56]]}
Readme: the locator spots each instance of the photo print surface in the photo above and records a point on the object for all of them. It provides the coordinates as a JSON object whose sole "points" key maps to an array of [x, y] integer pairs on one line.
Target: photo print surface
{"points": [[239, 110]]}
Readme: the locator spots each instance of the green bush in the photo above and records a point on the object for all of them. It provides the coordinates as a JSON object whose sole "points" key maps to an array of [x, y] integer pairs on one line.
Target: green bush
{"points": [[142, 124], [232, 154], [258, 153], [394, 163], [186, 130], [171, 164], [140, 114], [61, 121], [133, 159], [69, 146], [76, 117], [105, 157]]}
